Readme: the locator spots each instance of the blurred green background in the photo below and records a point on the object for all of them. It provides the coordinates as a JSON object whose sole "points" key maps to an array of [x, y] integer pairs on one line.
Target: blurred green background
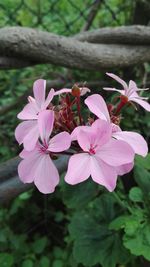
{"points": [[33, 227]]}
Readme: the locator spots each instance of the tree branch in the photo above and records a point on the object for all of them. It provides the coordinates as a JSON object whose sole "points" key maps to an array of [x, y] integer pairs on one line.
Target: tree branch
{"points": [[132, 35], [39, 47]]}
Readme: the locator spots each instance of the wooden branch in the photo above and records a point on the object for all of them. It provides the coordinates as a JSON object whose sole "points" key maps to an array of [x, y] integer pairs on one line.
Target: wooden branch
{"points": [[10, 62], [8, 169], [39, 47], [11, 186], [133, 35]]}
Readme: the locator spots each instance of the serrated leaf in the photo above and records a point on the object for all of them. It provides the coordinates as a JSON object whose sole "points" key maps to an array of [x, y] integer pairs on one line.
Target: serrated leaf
{"points": [[136, 194], [139, 243], [94, 243], [79, 196]]}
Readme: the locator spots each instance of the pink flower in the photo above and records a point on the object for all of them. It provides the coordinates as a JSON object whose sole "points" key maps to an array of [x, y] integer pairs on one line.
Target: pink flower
{"points": [[99, 157], [129, 92], [75, 91], [97, 105], [37, 165], [28, 130]]}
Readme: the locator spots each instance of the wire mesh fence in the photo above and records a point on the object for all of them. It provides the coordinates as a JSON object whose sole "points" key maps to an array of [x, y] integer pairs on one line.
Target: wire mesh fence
{"points": [[64, 17]]}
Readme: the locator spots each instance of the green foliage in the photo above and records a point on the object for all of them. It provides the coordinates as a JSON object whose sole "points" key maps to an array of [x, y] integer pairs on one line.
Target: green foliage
{"points": [[136, 194], [97, 244], [79, 196], [6, 260], [77, 226]]}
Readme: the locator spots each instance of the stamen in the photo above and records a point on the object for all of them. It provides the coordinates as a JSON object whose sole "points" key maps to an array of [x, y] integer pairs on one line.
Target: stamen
{"points": [[92, 150]]}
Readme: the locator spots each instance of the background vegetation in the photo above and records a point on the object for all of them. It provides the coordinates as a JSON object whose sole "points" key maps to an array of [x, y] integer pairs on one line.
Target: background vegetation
{"points": [[82, 225]]}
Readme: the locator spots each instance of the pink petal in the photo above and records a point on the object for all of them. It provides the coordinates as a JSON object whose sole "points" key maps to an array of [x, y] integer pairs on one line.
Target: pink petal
{"points": [[78, 169], [115, 128], [48, 99], [28, 166], [39, 88], [122, 92], [97, 105], [45, 124], [123, 169], [31, 138], [97, 135], [118, 79], [27, 133], [62, 91], [77, 130], [116, 153], [102, 132], [84, 90], [103, 174], [46, 176], [135, 140], [38, 167], [23, 129], [84, 139], [29, 112], [141, 102], [24, 154], [132, 85], [60, 142]]}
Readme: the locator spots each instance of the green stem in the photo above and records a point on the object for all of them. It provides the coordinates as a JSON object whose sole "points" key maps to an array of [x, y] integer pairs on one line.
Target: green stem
{"points": [[79, 110], [121, 203]]}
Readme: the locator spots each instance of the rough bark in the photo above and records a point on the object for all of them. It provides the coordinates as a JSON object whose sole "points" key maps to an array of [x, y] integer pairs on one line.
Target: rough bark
{"points": [[133, 35], [11, 186], [10, 62], [38, 47]]}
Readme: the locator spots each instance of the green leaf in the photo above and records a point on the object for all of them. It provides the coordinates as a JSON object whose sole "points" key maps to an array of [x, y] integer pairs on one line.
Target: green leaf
{"points": [[27, 263], [104, 208], [143, 162], [136, 194], [39, 245], [57, 263], [79, 196], [6, 260], [139, 243], [25, 195], [58, 252], [142, 177], [131, 226], [96, 244], [44, 262], [119, 222]]}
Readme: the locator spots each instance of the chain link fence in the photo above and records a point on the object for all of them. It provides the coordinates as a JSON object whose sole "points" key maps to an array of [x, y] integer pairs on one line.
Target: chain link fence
{"points": [[64, 17]]}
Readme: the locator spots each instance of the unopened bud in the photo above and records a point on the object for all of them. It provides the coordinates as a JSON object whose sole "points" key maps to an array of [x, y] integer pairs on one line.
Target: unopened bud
{"points": [[76, 91]]}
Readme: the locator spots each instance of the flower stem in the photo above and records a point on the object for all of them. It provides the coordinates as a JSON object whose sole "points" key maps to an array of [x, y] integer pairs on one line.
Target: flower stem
{"points": [[121, 203], [79, 109], [119, 107]]}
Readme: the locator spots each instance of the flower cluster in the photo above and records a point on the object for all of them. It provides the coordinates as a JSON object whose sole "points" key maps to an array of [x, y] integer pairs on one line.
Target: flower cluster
{"points": [[97, 146]]}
